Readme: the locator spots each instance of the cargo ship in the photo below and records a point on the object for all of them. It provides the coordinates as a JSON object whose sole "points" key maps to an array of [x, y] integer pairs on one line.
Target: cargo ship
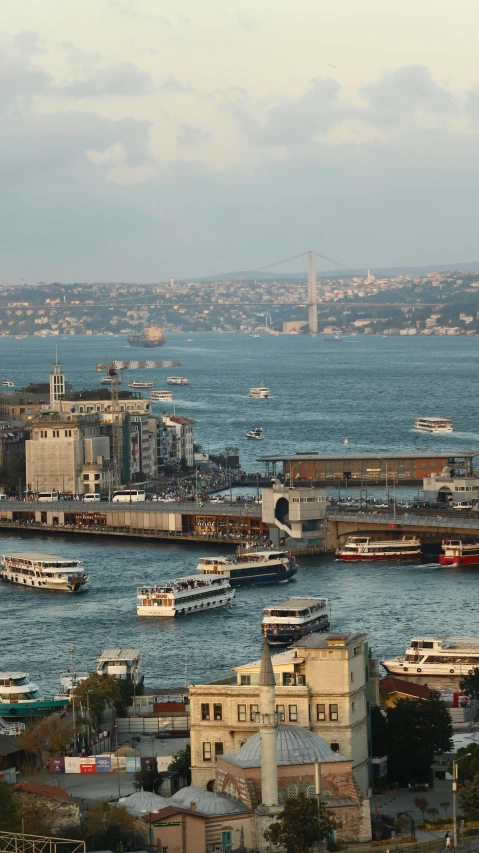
{"points": [[149, 338]]}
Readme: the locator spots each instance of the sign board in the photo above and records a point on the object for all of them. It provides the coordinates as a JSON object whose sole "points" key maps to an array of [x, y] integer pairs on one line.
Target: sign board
{"points": [[103, 763]]}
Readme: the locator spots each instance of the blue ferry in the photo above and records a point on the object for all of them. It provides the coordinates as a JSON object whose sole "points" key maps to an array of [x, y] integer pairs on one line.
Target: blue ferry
{"points": [[251, 567], [289, 621]]}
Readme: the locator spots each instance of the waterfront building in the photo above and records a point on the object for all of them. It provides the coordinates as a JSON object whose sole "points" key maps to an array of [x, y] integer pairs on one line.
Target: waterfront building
{"points": [[322, 684], [448, 489], [182, 437], [295, 512]]}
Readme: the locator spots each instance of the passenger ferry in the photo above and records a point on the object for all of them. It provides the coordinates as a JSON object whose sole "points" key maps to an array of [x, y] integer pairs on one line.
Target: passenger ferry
{"points": [[290, 620], [253, 567], [190, 594], [177, 380], [161, 396], [124, 664], [255, 433], [260, 393], [7, 383], [106, 380], [70, 680], [459, 553], [365, 548], [140, 383], [437, 656], [43, 571], [433, 426], [20, 697]]}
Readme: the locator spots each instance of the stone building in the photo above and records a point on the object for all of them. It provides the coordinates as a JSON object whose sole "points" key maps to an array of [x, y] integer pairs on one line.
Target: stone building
{"points": [[54, 802]]}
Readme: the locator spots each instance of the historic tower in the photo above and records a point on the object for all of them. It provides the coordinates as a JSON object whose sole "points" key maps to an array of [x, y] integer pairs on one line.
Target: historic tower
{"points": [[268, 721], [57, 385]]}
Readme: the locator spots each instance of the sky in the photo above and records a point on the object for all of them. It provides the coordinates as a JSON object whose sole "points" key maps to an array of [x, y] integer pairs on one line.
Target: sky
{"points": [[142, 139]]}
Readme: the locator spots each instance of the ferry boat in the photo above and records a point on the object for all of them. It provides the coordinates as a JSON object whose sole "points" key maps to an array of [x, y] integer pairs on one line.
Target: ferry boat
{"points": [[260, 393], [437, 656], [140, 383], [459, 553], [20, 697], [69, 680], [365, 548], [177, 380], [434, 426], [106, 380], [161, 396], [43, 571], [255, 433], [7, 383], [290, 620], [190, 594], [251, 568], [124, 664]]}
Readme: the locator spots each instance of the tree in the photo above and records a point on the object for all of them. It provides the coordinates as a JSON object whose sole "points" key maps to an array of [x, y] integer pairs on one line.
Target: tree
{"points": [[147, 778], [49, 736], [422, 804], [297, 828], [416, 731], [9, 817], [379, 732], [445, 806], [12, 472], [468, 767], [34, 819], [432, 812], [181, 763], [96, 692], [106, 827], [469, 798], [470, 684]]}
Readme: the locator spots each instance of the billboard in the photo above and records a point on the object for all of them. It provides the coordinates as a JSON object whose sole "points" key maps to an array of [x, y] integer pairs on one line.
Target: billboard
{"points": [[57, 765], [133, 763], [103, 763], [135, 450]]}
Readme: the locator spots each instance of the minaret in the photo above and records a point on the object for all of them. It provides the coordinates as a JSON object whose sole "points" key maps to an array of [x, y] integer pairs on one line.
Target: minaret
{"points": [[268, 719], [57, 385]]}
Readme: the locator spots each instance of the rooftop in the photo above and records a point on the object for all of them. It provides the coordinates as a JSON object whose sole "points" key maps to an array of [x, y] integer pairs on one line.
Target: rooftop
{"points": [[277, 660], [119, 654], [326, 641], [37, 556], [331, 457], [400, 685], [294, 745], [52, 792], [295, 602]]}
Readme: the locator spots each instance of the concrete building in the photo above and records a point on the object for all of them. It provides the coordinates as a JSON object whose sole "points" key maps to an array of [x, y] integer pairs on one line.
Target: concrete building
{"points": [[449, 489], [182, 437], [322, 683], [295, 513]]}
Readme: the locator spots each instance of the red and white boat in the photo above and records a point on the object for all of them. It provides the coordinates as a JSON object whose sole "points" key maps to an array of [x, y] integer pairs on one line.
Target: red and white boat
{"points": [[365, 548], [458, 553]]}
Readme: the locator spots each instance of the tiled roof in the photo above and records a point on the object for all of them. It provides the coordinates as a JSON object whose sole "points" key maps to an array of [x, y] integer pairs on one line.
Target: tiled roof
{"points": [[169, 811], [51, 792], [399, 685]]}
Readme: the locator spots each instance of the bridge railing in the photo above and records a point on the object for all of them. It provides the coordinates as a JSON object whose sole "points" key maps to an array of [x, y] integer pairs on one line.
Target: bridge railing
{"points": [[405, 519]]}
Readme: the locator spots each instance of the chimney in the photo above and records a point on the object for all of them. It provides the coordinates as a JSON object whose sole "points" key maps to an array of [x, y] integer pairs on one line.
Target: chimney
{"points": [[193, 807]]}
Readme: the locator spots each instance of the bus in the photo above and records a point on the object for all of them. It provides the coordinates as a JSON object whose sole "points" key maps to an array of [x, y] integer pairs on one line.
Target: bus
{"points": [[129, 496]]}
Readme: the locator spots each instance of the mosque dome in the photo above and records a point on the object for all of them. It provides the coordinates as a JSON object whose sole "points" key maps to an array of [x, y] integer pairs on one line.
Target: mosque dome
{"points": [[143, 802], [207, 802], [294, 745]]}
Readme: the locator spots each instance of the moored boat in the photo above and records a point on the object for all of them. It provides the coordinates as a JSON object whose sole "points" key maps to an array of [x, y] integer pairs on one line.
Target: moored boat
{"points": [[459, 553], [7, 383], [290, 620], [70, 679], [106, 380], [251, 567], [190, 594], [43, 571], [437, 656], [365, 548], [124, 664], [20, 697]]}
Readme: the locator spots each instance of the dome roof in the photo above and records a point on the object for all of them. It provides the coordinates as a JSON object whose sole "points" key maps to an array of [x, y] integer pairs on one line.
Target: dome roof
{"points": [[294, 745], [143, 802], [207, 802]]}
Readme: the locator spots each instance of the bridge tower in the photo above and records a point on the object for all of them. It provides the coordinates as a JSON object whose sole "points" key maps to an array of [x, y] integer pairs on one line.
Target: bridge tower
{"points": [[312, 294]]}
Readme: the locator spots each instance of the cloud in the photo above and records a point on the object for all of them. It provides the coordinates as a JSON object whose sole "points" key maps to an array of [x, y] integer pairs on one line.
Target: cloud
{"points": [[19, 77], [406, 93], [113, 154], [172, 84], [119, 80], [191, 134], [245, 21], [130, 9]]}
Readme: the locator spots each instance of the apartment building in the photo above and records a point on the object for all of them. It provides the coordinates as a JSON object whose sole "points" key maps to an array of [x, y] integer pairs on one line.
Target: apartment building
{"points": [[180, 440]]}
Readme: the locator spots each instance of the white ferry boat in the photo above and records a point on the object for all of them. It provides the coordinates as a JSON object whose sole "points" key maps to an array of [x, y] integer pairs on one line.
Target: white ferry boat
{"points": [[290, 620], [106, 380], [20, 697], [177, 380], [365, 548], [43, 571], [161, 396], [433, 426], [190, 594], [140, 383], [124, 664], [7, 383], [69, 680], [437, 656], [251, 568], [255, 433], [459, 553], [260, 393]]}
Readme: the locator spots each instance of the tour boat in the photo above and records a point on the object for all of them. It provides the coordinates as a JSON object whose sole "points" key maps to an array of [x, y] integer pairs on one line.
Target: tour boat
{"points": [[255, 433], [290, 620], [251, 568], [260, 393], [71, 679], [20, 697], [124, 664], [437, 656], [7, 383], [106, 380], [161, 396], [42, 571], [190, 594], [459, 553], [433, 426], [140, 383], [177, 380], [365, 548]]}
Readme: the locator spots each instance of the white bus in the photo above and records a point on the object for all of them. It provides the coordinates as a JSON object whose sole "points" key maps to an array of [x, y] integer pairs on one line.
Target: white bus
{"points": [[129, 496], [47, 496]]}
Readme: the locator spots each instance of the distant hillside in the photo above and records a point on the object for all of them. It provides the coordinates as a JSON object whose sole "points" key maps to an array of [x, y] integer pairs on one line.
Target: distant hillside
{"points": [[251, 275]]}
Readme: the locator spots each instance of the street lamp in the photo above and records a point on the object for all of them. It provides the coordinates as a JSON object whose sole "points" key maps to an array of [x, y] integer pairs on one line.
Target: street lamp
{"points": [[317, 789], [455, 762], [291, 469], [229, 451], [70, 652]]}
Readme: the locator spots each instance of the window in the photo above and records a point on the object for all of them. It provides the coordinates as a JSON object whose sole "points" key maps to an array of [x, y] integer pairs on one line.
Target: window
{"points": [[334, 746], [352, 677], [241, 713], [320, 712], [206, 752], [253, 709], [205, 712], [356, 650], [245, 679], [333, 713], [219, 748], [280, 711], [311, 792], [292, 791], [242, 743], [217, 712], [293, 713]]}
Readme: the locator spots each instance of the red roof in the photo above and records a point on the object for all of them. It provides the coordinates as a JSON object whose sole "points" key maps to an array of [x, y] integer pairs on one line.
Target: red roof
{"points": [[50, 791], [169, 811], [183, 421], [399, 685]]}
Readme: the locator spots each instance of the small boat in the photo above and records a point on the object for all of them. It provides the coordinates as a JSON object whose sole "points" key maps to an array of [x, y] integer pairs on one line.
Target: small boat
{"points": [[177, 380], [7, 383], [140, 383], [255, 336], [459, 553], [69, 680], [124, 664], [251, 567], [43, 571], [20, 697], [433, 426], [106, 380], [290, 620], [161, 396], [255, 433], [365, 548], [260, 393], [189, 340], [437, 656], [190, 594], [333, 338]]}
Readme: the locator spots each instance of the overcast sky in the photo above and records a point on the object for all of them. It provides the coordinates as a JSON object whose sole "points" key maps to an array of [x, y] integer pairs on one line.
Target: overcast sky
{"points": [[144, 139]]}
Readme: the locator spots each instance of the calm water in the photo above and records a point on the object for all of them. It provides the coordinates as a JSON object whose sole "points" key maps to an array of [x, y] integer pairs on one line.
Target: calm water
{"points": [[366, 389]]}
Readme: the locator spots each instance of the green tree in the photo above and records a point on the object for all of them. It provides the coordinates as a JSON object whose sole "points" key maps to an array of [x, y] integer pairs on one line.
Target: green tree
{"points": [[445, 806], [432, 812], [469, 798], [182, 763], [98, 691], [183, 464], [379, 732], [470, 684], [422, 804], [12, 472], [9, 817], [147, 778], [106, 827], [416, 731], [297, 827], [468, 767]]}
